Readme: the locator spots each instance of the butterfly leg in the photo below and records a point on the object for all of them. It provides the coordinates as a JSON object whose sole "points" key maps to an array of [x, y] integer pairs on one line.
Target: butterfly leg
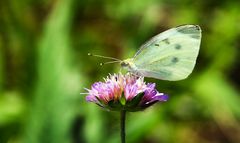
{"points": [[135, 73], [120, 70]]}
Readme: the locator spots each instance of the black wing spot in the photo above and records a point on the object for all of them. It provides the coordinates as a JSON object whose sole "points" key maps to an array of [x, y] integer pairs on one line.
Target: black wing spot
{"points": [[178, 47], [197, 27], [166, 41], [156, 44], [175, 60], [188, 29]]}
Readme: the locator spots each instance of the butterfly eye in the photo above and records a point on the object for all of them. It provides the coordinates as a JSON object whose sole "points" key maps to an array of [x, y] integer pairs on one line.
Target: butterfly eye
{"points": [[124, 64]]}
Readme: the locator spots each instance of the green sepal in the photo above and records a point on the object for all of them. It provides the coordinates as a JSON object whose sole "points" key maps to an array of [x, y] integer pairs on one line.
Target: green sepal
{"points": [[123, 100], [134, 103], [114, 105], [101, 103]]}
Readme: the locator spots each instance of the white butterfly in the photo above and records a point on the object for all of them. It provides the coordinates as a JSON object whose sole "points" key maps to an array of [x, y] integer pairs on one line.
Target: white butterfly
{"points": [[170, 55]]}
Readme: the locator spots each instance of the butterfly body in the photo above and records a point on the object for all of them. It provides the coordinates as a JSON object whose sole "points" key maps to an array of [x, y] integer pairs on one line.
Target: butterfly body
{"points": [[170, 55]]}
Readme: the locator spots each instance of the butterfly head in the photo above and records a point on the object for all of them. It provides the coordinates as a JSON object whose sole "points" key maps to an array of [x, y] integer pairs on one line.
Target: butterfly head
{"points": [[127, 64]]}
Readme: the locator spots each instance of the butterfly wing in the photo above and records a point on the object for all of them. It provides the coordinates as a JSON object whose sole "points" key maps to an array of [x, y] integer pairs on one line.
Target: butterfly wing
{"points": [[170, 55]]}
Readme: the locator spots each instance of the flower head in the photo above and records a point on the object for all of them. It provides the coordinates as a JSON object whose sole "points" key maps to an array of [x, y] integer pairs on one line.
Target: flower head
{"points": [[124, 92]]}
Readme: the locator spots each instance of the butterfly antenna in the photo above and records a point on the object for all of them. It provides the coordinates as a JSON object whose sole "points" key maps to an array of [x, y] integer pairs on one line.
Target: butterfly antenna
{"points": [[111, 62], [115, 59]]}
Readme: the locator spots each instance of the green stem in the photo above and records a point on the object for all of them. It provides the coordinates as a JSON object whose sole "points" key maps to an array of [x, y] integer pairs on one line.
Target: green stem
{"points": [[123, 118]]}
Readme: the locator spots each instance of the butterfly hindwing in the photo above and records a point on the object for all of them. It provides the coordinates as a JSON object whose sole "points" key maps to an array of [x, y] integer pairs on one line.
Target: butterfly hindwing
{"points": [[170, 55]]}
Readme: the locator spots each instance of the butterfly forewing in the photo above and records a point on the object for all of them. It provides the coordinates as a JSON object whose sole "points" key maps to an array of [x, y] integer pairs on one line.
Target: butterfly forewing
{"points": [[171, 55]]}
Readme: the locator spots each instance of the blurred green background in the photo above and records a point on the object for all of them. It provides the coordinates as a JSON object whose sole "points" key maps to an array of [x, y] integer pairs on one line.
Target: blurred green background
{"points": [[44, 66]]}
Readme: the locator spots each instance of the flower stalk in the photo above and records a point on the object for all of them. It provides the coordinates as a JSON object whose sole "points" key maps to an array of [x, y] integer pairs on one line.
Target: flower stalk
{"points": [[122, 124]]}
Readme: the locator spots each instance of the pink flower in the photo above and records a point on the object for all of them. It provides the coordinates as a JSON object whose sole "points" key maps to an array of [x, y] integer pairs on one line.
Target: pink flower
{"points": [[124, 92]]}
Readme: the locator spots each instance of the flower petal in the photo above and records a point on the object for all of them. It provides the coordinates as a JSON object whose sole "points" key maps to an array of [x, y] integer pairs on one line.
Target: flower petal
{"points": [[124, 92], [91, 98]]}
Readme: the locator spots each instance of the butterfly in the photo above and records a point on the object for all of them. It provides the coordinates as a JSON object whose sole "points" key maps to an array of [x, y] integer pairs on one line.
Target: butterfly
{"points": [[170, 55]]}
